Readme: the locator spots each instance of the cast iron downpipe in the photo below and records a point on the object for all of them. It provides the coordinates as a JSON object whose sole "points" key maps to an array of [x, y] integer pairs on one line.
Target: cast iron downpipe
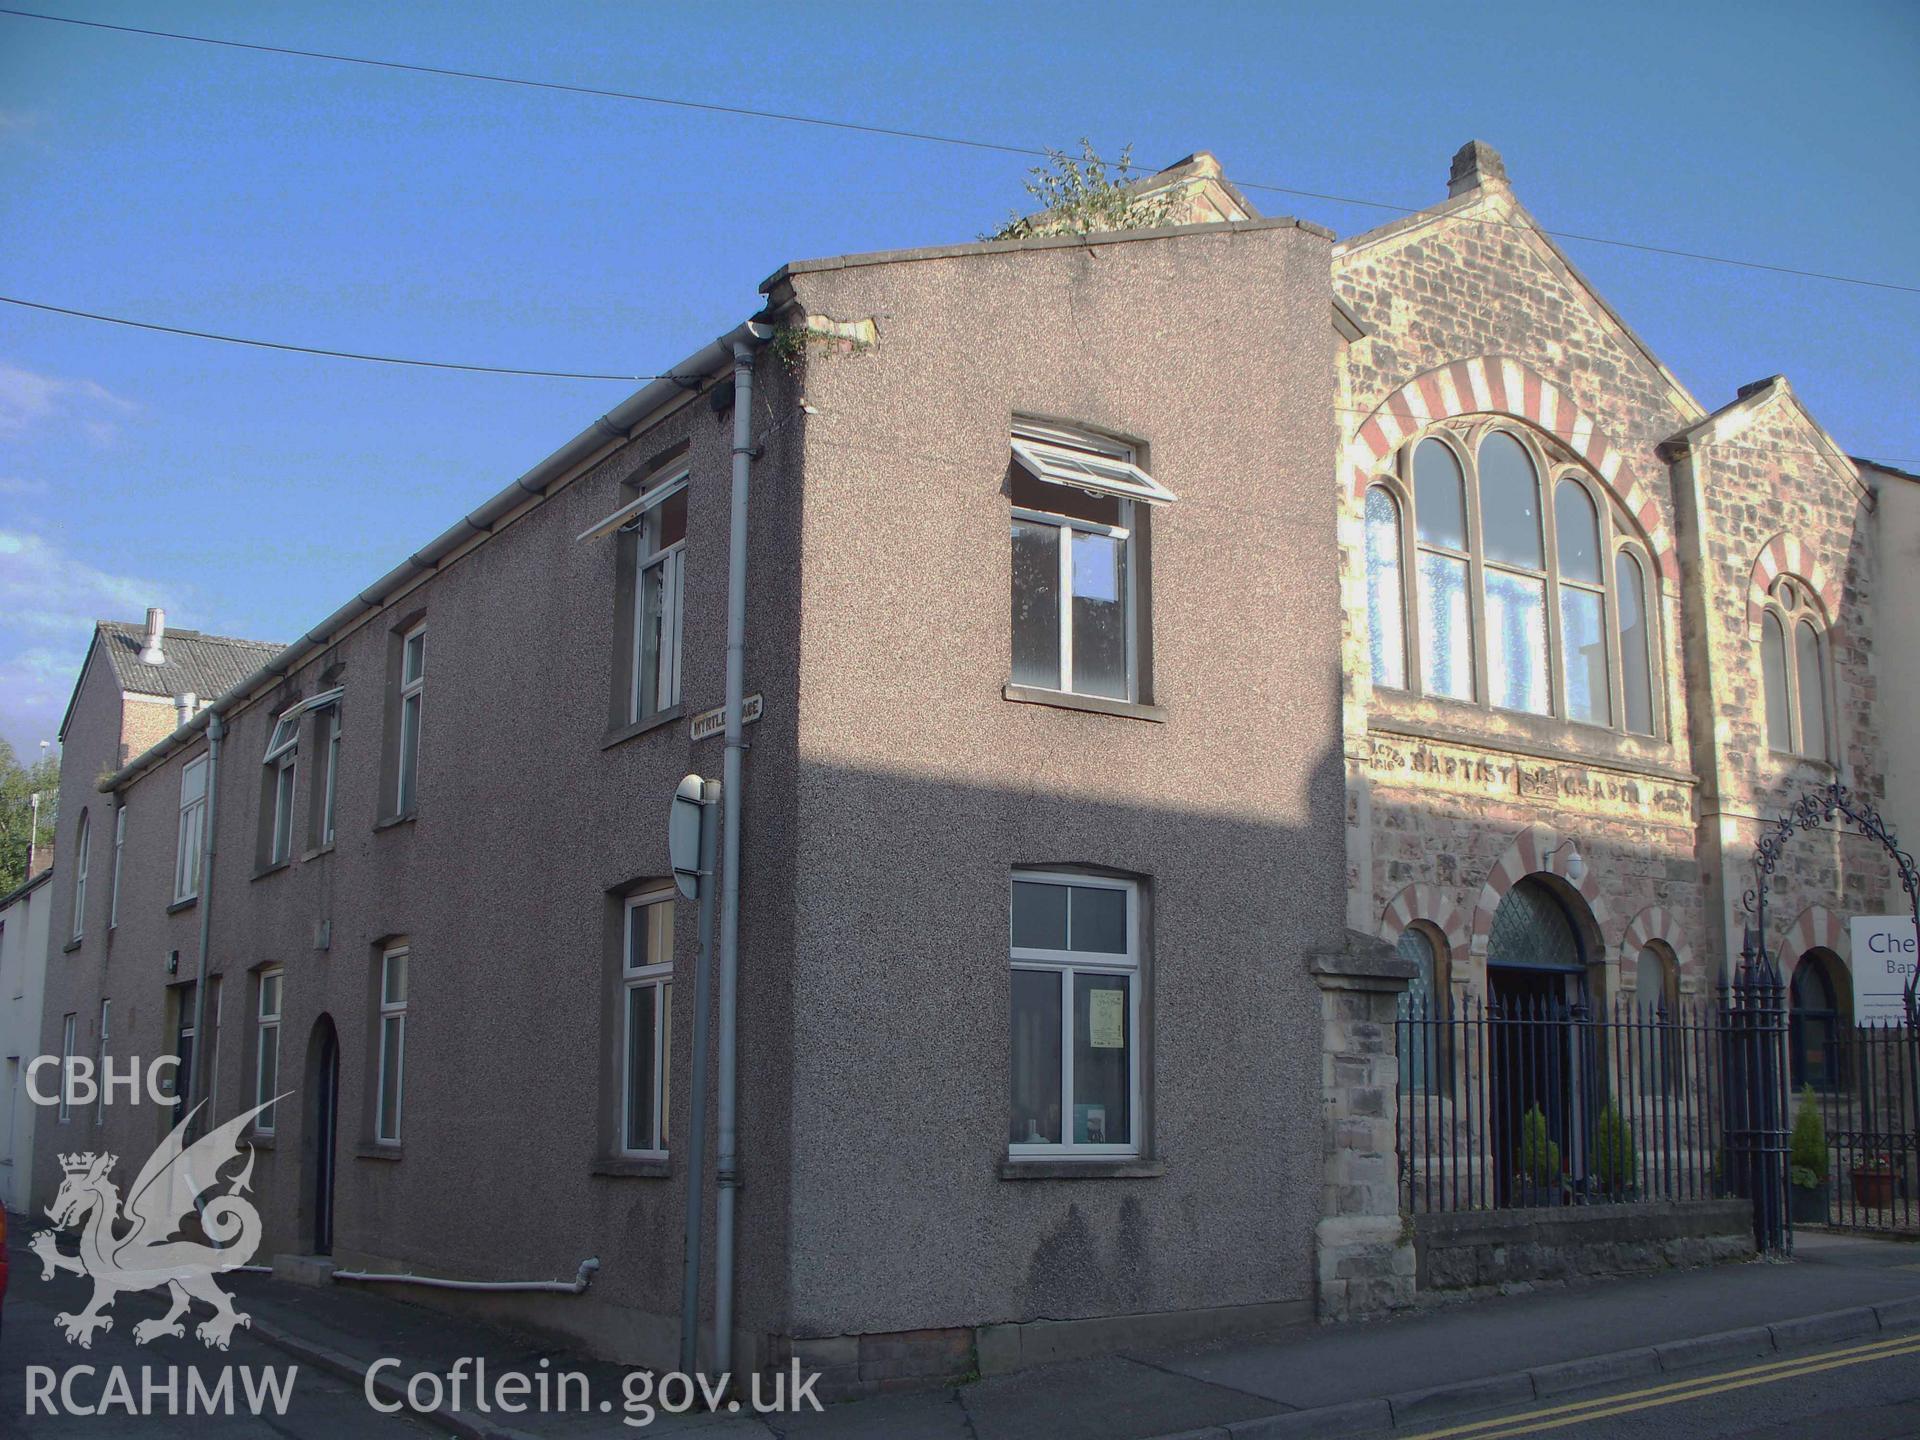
{"points": [[216, 732], [726, 1168]]}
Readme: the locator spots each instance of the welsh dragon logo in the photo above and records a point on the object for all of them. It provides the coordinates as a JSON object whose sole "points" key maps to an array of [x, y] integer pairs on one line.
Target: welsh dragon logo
{"points": [[139, 1246]]}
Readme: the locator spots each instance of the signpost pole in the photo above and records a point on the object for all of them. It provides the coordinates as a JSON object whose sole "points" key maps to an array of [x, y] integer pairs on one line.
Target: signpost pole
{"points": [[693, 874]]}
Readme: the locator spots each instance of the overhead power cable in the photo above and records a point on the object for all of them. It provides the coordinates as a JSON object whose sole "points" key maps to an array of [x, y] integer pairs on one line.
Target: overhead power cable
{"points": [[898, 133]]}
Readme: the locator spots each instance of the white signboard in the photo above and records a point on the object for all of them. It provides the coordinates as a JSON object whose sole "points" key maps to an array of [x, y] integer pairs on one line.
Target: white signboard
{"points": [[1884, 955], [714, 722]]}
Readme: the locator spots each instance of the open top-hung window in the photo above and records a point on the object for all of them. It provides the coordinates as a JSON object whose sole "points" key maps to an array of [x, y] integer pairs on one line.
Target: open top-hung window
{"points": [[654, 525], [282, 762], [1077, 616]]}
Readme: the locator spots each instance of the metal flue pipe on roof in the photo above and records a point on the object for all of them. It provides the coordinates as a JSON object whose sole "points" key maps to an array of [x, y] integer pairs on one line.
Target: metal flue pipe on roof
{"points": [[151, 651]]}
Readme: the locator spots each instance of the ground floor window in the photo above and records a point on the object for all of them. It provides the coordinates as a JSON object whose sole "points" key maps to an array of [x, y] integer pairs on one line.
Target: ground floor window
{"points": [[393, 1045], [267, 1050], [1075, 1077], [646, 1025], [1814, 1017]]}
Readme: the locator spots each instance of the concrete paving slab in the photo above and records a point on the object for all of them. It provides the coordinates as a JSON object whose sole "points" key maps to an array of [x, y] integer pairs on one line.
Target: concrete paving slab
{"points": [[1108, 1399]]}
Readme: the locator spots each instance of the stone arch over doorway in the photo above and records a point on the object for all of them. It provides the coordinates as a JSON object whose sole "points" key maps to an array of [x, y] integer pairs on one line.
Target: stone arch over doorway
{"points": [[1527, 855], [1815, 928]]}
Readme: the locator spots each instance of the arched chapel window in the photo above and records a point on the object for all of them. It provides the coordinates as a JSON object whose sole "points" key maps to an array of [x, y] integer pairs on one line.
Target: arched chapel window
{"points": [[1517, 604], [1793, 670]]}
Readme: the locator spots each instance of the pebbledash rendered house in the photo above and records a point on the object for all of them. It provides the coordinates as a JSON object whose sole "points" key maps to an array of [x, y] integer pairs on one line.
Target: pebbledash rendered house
{"points": [[1348, 579]]}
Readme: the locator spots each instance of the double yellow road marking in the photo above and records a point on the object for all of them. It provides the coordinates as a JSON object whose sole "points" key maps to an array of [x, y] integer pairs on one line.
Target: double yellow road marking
{"points": [[1678, 1392]]}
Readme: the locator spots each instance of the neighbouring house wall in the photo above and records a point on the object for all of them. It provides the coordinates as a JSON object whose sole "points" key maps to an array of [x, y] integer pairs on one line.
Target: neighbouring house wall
{"points": [[531, 820], [921, 787], [1897, 664], [23, 973]]}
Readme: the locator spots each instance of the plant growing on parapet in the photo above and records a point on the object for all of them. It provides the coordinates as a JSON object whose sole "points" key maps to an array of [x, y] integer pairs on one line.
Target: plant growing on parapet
{"points": [[1807, 1150], [1539, 1156], [1615, 1162], [1087, 196]]}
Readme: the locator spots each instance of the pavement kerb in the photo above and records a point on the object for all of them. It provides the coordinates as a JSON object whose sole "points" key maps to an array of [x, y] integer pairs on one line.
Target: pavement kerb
{"points": [[323, 1357], [1421, 1407]]}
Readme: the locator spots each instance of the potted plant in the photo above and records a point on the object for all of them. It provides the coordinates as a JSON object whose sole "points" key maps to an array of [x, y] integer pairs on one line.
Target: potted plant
{"points": [[1872, 1182], [1539, 1162], [1615, 1167], [1808, 1162]]}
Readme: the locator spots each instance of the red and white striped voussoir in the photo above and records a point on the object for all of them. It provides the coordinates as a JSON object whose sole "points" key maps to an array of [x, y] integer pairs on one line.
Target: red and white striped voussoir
{"points": [[1496, 384], [1784, 554], [1434, 906], [1527, 855], [1656, 922], [1816, 927]]}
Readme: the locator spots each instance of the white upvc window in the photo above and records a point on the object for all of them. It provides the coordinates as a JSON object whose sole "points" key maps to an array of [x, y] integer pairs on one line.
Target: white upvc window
{"points": [[646, 1026], [1075, 1075], [1076, 610], [119, 845], [100, 1065], [659, 592], [67, 1027], [413, 686], [193, 814], [393, 1045], [330, 775], [283, 759], [83, 844], [266, 1066]]}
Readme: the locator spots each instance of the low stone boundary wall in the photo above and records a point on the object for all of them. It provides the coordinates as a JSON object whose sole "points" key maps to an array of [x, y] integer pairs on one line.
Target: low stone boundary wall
{"points": [[1484, 1249]]}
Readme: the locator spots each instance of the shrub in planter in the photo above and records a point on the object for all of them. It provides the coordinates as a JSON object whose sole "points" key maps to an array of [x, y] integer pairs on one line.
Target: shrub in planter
{"points": [[1539, 1161], [1615, 1163], [1873, 1182], [1808, 1159]]}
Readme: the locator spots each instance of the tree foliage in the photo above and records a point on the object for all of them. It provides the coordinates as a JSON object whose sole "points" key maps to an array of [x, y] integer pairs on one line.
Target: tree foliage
{"points": [[17, 786], [1087, 196]]}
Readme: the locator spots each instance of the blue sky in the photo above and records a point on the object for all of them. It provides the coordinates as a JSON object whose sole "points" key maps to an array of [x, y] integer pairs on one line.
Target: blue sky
{"points": [[337, 206]]}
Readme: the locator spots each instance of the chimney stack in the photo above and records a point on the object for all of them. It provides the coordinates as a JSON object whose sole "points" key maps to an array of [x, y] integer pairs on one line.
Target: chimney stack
{"points": [[184, 704], [1474, 163], [150, 652]]}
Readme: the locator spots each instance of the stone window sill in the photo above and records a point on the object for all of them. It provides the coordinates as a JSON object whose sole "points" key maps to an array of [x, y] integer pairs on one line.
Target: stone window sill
{"points": [[187, 904], [394, 821], [72, 945], [1092, 704], [632, 1169], [273, 869], [379, 1152], [621, 734], [1082, 1169], [1561, 742], [316, 852]]}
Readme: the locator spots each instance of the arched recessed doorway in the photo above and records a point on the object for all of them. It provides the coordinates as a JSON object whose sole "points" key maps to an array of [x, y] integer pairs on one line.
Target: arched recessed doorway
{"points": [[1818, 1005], [1537, 960], [320, 1141]]}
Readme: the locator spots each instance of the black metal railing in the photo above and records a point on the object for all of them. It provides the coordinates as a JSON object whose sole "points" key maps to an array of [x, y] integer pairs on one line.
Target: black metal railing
{"points": [[1863, 1082], [1529, 1100]]}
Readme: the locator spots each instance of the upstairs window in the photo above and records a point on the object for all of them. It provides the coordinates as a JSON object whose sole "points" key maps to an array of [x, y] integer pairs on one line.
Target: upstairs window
{"points": [[82, 843], [113, 881], [193, 814], [650, 571], [1516, 604], [1793, 665], [413, 690], [327, 723], [1077, 620], [281, 761]]}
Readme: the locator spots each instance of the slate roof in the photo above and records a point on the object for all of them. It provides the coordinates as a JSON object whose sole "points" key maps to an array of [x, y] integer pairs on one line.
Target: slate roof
{"points": [[208, 665]]}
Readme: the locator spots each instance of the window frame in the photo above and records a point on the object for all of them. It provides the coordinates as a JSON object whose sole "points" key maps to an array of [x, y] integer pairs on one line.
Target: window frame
{"points": [[100, 1064], [1068, 964], [1792, 602], [396, 1011], [1616, 534], [329, 715], [193, 813], [264, 1021], [412, 699], [113, 881], [283, 759], [83, 843], [69, 1026], [1030, 440], [644, 524], [656, 975]]}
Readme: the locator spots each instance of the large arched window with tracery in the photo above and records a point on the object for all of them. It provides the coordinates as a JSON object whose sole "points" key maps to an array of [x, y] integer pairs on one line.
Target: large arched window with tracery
{"points": [[1793, 670], [1529, 587]]}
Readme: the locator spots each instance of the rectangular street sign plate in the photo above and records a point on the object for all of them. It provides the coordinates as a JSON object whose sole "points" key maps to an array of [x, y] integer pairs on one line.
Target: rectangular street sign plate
{"points": [[714, 721]]}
